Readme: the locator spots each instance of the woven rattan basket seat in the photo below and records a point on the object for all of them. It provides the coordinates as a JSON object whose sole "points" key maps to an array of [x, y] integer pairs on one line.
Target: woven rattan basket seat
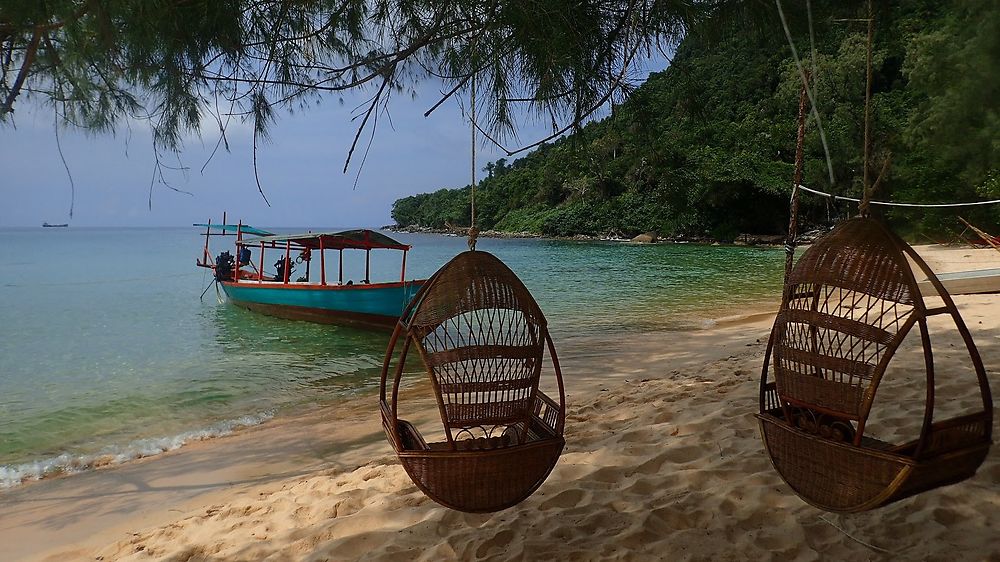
{"points": [[849, 302], [482, 339]]}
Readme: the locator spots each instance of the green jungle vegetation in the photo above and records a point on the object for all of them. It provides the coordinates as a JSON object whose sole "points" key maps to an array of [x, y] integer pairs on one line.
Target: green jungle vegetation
{"points": [[706, 147]]}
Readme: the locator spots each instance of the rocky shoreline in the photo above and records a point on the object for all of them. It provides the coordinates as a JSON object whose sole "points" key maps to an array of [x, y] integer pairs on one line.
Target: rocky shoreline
{"points": [[644, 238]]}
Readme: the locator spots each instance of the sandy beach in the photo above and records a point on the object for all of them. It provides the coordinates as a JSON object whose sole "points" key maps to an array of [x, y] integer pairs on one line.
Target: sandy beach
{"points": [[663, 462]]}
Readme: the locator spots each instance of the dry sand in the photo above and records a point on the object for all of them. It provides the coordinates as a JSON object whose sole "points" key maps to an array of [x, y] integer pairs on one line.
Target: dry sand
{"points": [[663, 461]]}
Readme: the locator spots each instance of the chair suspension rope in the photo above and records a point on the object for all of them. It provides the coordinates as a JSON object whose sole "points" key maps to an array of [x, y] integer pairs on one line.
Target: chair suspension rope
{"points": [[473, 231]]}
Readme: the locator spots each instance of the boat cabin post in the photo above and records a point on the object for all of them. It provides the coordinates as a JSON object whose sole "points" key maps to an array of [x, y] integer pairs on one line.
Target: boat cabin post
{"points": [[402, 271], [340, 278], [368, 262], [322, 263], [260, 273], [208, 232], [239, 246], [288, 262]]}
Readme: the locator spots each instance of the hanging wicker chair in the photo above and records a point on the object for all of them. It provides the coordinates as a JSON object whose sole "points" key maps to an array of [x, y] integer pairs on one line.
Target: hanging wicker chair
{"points": [[848, 304], [482, 339]]}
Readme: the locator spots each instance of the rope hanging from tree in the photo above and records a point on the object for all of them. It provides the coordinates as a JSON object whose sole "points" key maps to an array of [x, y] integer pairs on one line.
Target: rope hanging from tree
{"points": [[473, 230], [793, 218]]}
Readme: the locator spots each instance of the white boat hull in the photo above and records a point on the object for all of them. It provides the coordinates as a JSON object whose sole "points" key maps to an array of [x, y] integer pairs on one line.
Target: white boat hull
{"points": [[966, 282]]}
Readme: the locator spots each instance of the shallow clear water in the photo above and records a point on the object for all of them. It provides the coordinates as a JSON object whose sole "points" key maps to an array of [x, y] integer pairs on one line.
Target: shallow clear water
{"points": [[107, 353]]}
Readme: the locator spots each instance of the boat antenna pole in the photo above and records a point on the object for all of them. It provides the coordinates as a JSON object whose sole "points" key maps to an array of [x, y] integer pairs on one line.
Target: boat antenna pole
{"points": [[473, 231]]}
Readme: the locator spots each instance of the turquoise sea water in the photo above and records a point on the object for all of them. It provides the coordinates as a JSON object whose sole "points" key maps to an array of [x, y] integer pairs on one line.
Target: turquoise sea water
{"points": [[107, 353]]}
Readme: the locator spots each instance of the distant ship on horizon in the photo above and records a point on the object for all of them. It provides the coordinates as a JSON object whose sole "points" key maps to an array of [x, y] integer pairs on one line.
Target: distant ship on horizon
{"points": [[47, 225]]}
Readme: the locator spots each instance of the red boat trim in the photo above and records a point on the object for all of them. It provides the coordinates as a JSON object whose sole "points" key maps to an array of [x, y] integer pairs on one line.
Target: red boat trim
{"points": [[254, 284]]}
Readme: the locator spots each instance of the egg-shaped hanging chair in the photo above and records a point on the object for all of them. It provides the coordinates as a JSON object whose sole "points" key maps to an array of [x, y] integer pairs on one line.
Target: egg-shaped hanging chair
{"points": [[848, 304], [482, 340]]}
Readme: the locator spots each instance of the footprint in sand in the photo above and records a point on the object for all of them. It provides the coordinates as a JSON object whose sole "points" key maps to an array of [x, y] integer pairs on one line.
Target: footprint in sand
{"points": [[373, 473], [676, 517], [563, 500], [640, 436], [945, 516], [645, 486], [606, 475], [346, 507], [992, 475], [685, 454], [652, 466], [663, 417], [499, 541]]}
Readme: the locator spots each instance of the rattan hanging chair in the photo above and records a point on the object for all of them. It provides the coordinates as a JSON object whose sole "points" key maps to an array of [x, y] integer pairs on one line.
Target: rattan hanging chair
{"points": [[482, 339], [848, 304]]}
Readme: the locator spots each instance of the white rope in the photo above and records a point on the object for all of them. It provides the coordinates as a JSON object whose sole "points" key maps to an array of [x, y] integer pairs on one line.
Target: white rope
{"points": [[890, 204]]}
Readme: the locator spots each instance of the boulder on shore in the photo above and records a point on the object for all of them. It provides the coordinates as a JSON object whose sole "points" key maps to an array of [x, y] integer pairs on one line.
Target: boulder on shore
{"points": [[646, 237]]}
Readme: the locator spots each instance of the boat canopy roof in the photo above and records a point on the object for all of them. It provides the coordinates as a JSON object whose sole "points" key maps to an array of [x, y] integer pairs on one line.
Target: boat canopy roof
{"points": [[244, 228], [361, 239]]}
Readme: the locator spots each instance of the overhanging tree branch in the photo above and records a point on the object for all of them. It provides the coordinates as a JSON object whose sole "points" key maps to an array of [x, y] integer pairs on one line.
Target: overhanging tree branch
{"points": [[22, 75]]}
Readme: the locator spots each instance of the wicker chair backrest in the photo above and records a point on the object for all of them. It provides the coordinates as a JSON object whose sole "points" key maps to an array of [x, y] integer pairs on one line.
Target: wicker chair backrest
{"points": [[481, 336], [850, 300]]}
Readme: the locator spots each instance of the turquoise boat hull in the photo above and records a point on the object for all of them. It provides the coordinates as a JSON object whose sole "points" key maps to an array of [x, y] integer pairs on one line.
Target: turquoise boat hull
{"points": [[376, 305]]}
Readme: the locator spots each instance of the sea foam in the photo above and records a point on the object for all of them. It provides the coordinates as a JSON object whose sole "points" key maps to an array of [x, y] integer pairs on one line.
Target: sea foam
{"points": [[13, 475]]}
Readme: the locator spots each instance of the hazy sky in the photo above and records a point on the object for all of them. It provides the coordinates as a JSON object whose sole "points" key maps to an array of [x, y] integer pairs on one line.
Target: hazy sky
{"points": [[300, 168]]}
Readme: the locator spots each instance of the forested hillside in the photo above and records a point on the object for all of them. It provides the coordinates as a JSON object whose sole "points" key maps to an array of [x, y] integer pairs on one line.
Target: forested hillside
{"points": [[706, 147]]}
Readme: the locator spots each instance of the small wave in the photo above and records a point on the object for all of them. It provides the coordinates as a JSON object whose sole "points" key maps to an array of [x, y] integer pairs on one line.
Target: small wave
{"points": [[13, 475]]}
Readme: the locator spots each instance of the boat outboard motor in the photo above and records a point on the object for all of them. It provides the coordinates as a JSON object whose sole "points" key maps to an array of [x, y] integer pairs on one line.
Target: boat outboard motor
{"points": [[280, 265], [224, 267]]}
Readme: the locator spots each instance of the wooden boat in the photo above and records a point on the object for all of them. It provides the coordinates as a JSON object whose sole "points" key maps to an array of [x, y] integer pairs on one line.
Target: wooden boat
{"points": [[47, 225], [966, 282], [282, 294]]}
